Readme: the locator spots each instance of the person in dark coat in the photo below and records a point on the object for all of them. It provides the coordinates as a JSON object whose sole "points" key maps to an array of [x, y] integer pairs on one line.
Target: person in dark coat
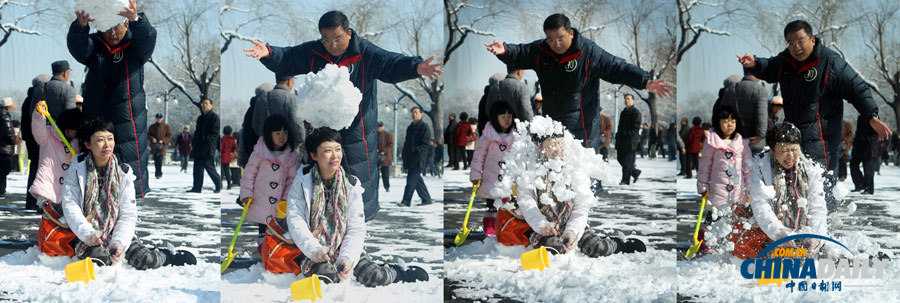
{"points": [[627, 139], [753, 108], [183, 145], [30, 144], [415, 147], [512, 90], [366, 62], [7, 142], [57, 92], [671, 140], [114, 85], [206, 142], [245, 147], [569, 68], [814, 81], [865, 152], [448, 139], [385, 158], [280, 100], [650, 136], [160, 135], [683, 138]]}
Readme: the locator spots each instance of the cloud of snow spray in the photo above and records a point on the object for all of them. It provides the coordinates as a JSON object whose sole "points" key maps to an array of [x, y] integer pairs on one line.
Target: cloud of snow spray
{"points": [[571, 174], [327, 98], [104, 12]]}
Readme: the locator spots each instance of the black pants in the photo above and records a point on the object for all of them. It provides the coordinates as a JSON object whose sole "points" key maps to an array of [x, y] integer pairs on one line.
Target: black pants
{"points": [[138, 256], [460, 152], [158, 162], [235, 176], [5, 167], [692, 161], [864, 180], [842, 167], [451, 154], [208, 164], [31, 201], [415, 183], [184, 161], [226, 174], [626, 160], [386, 176], [469, 155], [604, 151]]}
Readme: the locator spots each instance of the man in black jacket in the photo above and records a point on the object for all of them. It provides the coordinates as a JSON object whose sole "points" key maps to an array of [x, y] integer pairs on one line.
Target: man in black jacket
{"points": [[415, 154], [206, 142], [814, 82], [627, 139], [569, 68], [7, 142], [248, 132], [448, 139], [865, 152], [114, 84]]}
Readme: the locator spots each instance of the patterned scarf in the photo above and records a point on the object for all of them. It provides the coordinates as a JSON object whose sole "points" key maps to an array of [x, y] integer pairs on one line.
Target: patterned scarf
{"points": [[328, 209], [101, 196], [791, 185], [558, 212]]}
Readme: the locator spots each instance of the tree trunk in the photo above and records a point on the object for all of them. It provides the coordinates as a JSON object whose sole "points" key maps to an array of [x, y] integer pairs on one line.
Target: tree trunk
{"points": [[437, 121], [896, 107], [654, 115]]}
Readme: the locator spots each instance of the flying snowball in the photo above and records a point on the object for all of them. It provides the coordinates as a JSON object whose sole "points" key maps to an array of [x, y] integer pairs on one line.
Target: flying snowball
{"points": [[327, 98], [104, 12]]}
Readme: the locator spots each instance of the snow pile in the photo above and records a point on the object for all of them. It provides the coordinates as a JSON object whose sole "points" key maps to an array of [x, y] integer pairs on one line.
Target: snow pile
{"points": [[104, 12], [327, 98], [570, 174]]}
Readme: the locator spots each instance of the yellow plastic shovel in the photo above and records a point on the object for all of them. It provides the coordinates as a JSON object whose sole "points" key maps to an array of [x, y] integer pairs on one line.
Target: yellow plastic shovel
{"points": [[231, 254], [692, 251], [461, 237], [43, 111]]}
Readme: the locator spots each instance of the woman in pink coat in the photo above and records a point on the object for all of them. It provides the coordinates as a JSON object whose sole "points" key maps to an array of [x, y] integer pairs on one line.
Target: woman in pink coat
{"points": [[55, 159], [725, 166], [495, 141], [270, 171]]}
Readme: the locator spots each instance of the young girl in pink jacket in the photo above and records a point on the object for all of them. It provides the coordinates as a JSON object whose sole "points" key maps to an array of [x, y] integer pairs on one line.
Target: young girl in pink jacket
{"points": [[495, 141], [724, 168], [270, 171], [55, 158]]}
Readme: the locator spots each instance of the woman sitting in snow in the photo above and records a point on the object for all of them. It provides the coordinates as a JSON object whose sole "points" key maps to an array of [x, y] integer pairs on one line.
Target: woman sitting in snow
{"points": [[99, 204], [787, 196], [325, 222], [554, 196]]}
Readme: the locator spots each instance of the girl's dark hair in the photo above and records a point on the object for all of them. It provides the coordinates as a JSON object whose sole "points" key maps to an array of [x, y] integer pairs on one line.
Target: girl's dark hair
{"points": [[473, 121], [227, 130], [319, 136], [697, 121], [92, 126], [276, 123], [724, 112], [70, 119], [784, 132], [500, 108]]}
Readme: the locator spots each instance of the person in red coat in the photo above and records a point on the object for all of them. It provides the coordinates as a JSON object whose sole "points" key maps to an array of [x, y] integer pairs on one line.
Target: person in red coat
{"points": [[696, 137], [229, 154], [462, 136]]}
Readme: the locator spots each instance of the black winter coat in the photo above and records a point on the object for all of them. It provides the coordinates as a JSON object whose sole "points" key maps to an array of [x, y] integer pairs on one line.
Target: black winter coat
{"points": [[813, 93], [30, 145], [7, 134], [628, 135], [415, 146], [206, 136], [367, 63], [248, 135], [114, 88], [570, 82]]}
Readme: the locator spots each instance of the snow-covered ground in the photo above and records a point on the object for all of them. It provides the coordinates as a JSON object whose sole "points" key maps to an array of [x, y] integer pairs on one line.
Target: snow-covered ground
{"points": [[167, 216], [867, 225], [406, 235], [489, 271]]}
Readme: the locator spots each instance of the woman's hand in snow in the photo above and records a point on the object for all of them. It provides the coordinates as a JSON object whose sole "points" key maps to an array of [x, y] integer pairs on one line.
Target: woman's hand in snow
{"points": [[547, 229], [116, 252], [345, 268], [319, 255], [568, 239], [94, 239]]}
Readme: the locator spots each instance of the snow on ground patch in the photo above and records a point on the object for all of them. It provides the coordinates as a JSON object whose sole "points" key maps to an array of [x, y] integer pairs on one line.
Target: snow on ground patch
{"points": [[31, 276], [104, 12], [487, 268], [327, 98]]}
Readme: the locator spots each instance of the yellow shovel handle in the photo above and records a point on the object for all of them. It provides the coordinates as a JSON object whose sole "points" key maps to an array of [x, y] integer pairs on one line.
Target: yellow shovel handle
{"points": [[241, 222], [700, 216], [471, 200], [43, 111]]}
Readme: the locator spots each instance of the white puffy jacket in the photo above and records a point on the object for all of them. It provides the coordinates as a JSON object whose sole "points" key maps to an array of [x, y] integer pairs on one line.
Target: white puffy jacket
{"points": [[73, 200], [298, 217], [762, 197]]}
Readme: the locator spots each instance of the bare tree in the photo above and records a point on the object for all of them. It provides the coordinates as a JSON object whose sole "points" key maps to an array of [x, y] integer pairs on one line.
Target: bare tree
{"points": [[651, 50], [16, 23], [880, 31], [691, 30]]}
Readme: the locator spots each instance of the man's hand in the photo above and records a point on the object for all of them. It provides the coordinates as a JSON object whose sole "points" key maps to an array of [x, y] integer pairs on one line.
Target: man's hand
{"points": [[320, 255], [429, 70], [747, 60], [130, 11], [258, 51], [83, 18], [755, 139], [659, 87], [116, 252], [496, 48], [345, 268], [884, 133]]}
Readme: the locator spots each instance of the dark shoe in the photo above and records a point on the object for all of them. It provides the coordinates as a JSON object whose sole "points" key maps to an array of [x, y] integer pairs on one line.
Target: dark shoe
{"points": [[387, 190], [404, 204], [633, 245], [857, 189], [179, 258], [193, 191], [636, 174], [239, 202], [427, 203], [410, 275], [218, 190], [868, 192], [554, 244], [370, 274], [32, 207]]}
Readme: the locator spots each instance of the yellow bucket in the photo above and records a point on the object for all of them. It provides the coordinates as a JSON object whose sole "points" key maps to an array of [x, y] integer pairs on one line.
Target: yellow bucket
{"points": [[306, 289], [281, 209], [80, 271], [535, 259]]}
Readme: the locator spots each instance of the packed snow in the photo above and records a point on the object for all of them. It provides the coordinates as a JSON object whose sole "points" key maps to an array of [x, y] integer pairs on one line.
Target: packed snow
{"points": [[104, 12], [327, 98]]}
